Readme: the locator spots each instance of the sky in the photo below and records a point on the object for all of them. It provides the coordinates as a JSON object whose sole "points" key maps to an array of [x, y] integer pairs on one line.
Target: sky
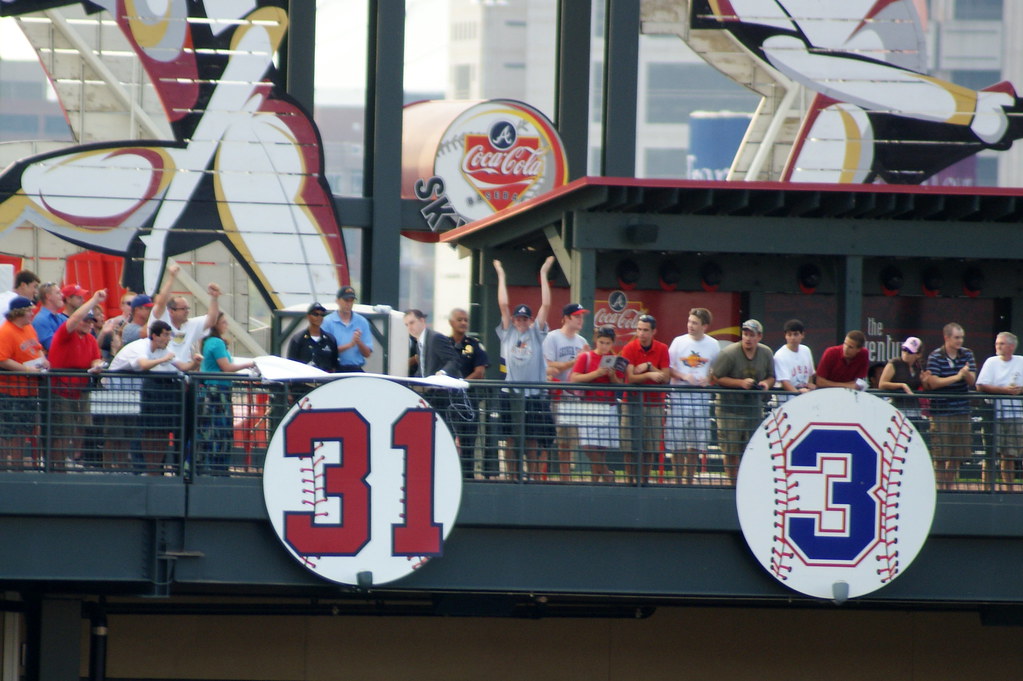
{"points": [[340, 45]]}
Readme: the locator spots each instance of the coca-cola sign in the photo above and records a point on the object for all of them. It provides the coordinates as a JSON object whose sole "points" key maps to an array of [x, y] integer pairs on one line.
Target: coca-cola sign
{"points": [[502, 165], [491, 156], [620, 312]]}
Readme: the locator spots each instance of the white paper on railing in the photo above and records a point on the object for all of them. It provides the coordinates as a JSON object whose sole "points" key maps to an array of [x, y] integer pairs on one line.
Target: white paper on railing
{"points": [[274, 368]]}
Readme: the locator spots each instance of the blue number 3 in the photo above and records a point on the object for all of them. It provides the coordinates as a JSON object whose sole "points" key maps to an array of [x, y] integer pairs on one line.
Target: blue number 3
{"points": [[853, 494]]}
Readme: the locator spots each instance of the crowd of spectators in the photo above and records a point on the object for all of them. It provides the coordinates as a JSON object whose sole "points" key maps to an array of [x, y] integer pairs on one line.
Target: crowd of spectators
{"points": [[134, 422], [712, 397]]}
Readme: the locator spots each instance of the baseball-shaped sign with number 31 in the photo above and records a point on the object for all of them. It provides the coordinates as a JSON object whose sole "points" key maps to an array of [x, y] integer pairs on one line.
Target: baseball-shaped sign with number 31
{"points": [[362, 476]]}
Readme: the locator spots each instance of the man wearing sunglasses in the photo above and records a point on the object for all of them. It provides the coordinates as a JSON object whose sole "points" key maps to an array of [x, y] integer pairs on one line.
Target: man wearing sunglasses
{"points": [[314, 346], [186, 331]]}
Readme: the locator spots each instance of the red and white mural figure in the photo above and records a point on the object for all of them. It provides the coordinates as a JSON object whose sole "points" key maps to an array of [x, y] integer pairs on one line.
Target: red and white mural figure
{"points": [[876, 115], [244, 166]]}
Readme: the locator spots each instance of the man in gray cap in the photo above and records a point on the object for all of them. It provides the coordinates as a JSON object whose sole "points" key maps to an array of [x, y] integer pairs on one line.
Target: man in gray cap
{"points": [[351, 331], [746, 366]]}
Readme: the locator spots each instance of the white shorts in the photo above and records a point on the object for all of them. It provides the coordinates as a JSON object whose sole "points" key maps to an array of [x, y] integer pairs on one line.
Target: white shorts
{"points": [[598, 422], [688, 425]]}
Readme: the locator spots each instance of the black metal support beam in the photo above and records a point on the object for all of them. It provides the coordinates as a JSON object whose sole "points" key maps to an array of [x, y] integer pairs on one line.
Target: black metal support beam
{"points": [[300, 54], [850, 295], [59, 640], [787, 236], [510, 538], [583, 279], [485, 300], [384, 97], [621, 64], [573, 78]]}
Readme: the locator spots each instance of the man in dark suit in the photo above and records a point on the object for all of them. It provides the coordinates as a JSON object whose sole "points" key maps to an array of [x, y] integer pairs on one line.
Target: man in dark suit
{"points": [[436, 352], [436, 356]]}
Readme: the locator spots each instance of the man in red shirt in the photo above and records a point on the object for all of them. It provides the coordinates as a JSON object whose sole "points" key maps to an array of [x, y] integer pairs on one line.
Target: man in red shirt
{"points": [[845, 366], [73, 347], [648, 365]]}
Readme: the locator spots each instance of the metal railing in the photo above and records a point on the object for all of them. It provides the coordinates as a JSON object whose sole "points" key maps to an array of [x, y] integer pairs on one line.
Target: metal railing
{"points": [[220, 425]]}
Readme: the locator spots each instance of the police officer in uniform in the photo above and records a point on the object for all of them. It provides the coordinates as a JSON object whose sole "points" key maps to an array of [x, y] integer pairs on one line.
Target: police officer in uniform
{"points": [[463, 414], [314, 346]]}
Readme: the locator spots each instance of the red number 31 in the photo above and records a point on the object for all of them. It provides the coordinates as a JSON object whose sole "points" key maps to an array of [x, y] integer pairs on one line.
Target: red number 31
{"points": [[416, 535]]}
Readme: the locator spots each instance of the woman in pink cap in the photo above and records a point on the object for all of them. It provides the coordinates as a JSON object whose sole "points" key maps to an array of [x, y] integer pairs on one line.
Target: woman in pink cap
{"points": [[906, 374]]}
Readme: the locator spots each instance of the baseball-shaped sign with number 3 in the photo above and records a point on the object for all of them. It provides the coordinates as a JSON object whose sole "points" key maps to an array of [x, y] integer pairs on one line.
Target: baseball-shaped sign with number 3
{"points": [[362, 476], [836, 493]]}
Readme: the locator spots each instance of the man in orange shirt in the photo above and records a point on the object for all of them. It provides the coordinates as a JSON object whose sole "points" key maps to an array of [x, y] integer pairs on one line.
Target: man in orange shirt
{"points": [[648, 365], [20, 351]]}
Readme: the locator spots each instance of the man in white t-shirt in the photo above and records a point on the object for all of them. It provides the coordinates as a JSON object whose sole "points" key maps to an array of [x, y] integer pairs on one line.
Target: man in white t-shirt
{"points": [[560, 348], [1003, 375], [793, 362], [26, 285], [186, 332], [691, 357]]}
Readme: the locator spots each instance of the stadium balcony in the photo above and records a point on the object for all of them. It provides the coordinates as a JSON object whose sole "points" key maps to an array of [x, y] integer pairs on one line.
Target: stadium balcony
{"points": [[134, 487]]}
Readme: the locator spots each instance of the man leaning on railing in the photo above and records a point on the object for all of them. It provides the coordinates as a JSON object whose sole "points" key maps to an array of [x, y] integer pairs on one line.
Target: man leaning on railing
{"points": [[746, 366], [20, 351], [162, 406], [1003, 375], [953, 371]]}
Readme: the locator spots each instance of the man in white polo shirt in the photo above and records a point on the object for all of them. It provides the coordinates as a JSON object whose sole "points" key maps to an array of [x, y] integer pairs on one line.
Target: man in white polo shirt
{"points": [[1003, 375]]}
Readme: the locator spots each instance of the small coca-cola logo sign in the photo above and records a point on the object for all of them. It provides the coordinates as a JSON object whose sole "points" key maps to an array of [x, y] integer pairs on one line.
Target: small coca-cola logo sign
{"points": [[620, 312], [497, 154]]}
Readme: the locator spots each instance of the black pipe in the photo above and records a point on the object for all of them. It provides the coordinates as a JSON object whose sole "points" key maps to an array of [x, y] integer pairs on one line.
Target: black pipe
{"points": [[98, 644]]}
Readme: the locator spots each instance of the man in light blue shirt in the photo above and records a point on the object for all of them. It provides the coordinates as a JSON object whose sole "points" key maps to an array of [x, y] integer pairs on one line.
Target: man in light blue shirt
{"points": [[354, 337], [49, 318]]}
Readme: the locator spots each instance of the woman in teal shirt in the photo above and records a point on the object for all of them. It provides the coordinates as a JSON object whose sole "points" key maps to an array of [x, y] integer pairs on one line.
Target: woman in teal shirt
{"points": [[216, 428]]}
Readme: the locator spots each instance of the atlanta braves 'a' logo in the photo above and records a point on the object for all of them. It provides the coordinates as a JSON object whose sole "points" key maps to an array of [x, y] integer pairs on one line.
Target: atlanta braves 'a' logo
{"points": [[836, 487]]}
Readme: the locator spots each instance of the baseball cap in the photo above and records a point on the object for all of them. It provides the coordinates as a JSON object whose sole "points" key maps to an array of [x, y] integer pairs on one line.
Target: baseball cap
{"points": [[753, 325], [141, 300], [573, 309], [523, 311], [347, 293], [73, 290], [315, 307], [606, 332], [911, 344], [19, 302]]}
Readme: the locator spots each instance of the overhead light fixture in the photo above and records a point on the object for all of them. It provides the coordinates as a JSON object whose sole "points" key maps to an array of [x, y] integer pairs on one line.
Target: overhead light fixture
{"points": [[809, 277], [973, 281], [627, 272], [891, 280], [710, 276], [931, 281], [669, 275], [641, 233]]}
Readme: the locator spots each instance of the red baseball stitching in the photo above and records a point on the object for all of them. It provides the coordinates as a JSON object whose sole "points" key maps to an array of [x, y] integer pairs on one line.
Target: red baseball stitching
{"points": [[893, 460], [311, 469], [776, 430]]}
